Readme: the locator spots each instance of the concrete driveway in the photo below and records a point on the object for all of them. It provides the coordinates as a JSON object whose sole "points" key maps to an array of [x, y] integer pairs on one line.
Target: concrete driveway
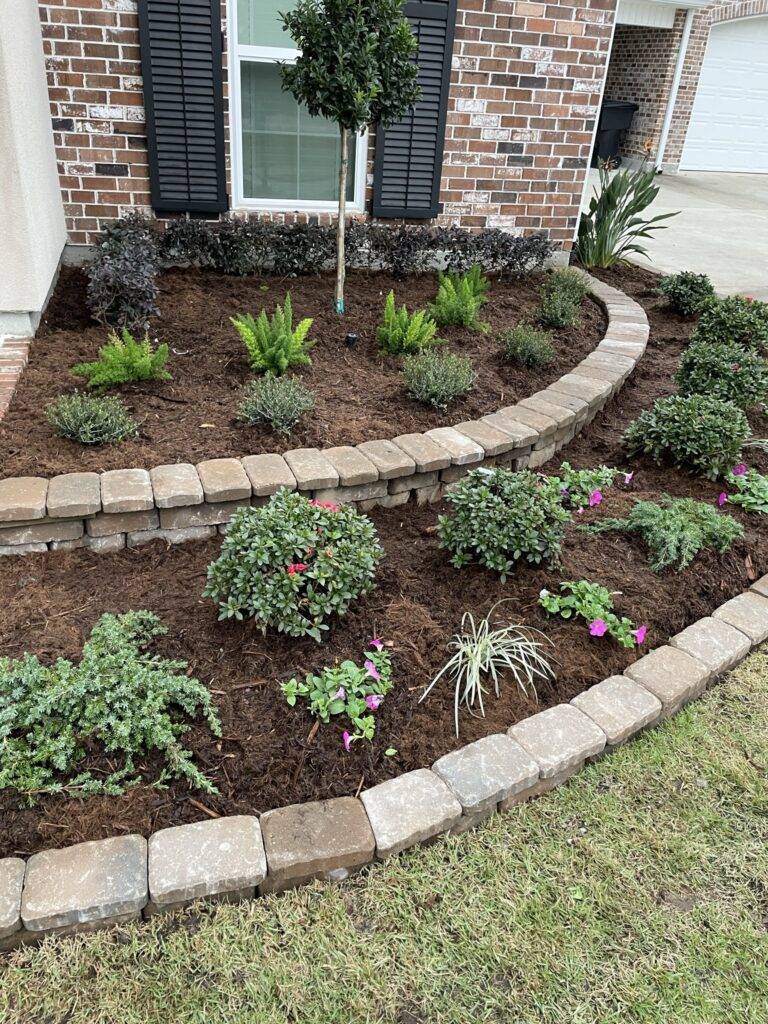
{"points": [[721, 230]]}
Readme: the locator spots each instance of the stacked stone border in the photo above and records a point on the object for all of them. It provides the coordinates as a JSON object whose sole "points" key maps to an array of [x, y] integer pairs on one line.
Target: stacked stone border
{"points": [[97, 884], [180, 502]]}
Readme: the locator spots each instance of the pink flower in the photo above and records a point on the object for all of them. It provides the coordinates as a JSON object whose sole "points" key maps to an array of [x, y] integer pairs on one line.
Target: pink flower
{"points": [[640, 634], [595, 498], [372, 671], [598, 628], [325, 504], [341, 694], [347, 740], [579, 511], [297, 567], [376, 643], [740, 470], [373, 700], [722, 498], [628, 479]]}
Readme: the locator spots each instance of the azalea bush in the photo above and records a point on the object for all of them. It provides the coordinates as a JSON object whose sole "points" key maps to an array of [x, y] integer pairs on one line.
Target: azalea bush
{"points": [[293, 564], [460, 298], [120, 702], [582, 488], [747, 488], [700, 434], [499, 517], [593, 603], [279, 402], [274, 344], [528, 346], [687, 293], [91, 419], [404, 333], [723, 369], [124, 360], [438, 378], [347, 689], [737, 318], [675, 530]]}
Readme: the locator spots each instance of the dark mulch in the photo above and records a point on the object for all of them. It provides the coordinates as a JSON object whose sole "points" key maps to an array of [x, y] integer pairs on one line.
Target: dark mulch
{"points": [[359, 392], [266, 758]]}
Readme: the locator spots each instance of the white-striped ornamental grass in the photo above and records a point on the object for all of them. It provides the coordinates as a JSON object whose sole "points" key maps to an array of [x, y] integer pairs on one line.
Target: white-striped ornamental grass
{"points": [[482, 654]]}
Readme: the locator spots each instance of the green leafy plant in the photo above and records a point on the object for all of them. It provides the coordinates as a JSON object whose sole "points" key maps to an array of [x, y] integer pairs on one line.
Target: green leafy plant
{"points": [[404, 333], [613, 225], [482, 653], [686, 293], [594, 604], [279, 402], [459, 300], [675, 530], [274, 345], [567, 281], [438, 378], [123, 360], [293, 563], [557, 309], [120, 701], [750, 490], [499, 517], [700, 434], [725, 370], [90, 419], [739, 319], [580, 488], [527, 346], [347, 689]]}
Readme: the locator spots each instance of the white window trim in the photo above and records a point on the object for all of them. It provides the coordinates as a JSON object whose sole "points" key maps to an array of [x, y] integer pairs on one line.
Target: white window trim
{"points": [[270, 54]]}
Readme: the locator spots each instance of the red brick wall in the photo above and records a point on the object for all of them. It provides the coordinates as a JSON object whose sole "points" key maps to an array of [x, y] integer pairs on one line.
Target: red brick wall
{"points": [[525, 91]]}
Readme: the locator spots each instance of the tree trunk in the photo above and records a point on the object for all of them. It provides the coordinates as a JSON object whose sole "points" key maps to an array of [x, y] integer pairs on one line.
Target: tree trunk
{"points": [[340, 255]]}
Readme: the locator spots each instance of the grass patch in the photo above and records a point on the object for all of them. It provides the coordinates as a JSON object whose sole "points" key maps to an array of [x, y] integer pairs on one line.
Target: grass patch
{"points": [[638, 893]]}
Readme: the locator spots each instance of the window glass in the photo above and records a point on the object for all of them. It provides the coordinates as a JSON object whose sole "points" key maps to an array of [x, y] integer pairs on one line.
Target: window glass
{"points": [[259, 24]]}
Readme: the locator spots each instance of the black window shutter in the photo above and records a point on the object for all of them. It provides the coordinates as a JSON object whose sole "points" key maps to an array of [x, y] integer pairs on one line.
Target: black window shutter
{"points": [[181, 52], [409, 154]]}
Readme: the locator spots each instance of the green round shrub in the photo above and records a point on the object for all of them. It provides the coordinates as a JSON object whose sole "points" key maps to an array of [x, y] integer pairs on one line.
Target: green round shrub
{"points": [[279, 402], [738, 319], [723, 370], [527, 346], [499, 517], [701, 434], [438, 378], [687, 293], [91, 419], [293, 563]]}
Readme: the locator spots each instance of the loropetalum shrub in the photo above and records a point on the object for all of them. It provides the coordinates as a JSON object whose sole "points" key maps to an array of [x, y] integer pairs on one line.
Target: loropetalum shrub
{"points": [[723, 369], [119, 701], [123, 360], [700, 434], [293, 564], [747, 488], [404, 333], [582, 488], [594, 604], [459, 300], [495, 251], [274, 344], [238, 247], [91, 419], [349, 689], [298, 249], [188, 242], [279, 402], [528, 346], [499, 518], [438, 378], [738, 319], [122, 282], [675, 530], [687, 293]]}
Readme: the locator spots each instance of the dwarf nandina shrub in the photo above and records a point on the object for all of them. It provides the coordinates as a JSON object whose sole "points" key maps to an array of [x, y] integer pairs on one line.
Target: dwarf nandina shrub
{"points": [[279, 402], [459, 300], [748, 489], [738, 319], [90, 419], [293, 564], [119, 701], [499, 517], [700, 434], [274, 345], [675, 530], [404, 333], [687, 293], [594, 604], [123, 360], [438, 378], [723, 369], [356, 691], [527, 346]]}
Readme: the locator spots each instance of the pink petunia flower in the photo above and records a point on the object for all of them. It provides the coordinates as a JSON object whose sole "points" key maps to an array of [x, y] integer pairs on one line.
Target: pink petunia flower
{"points": [[376, 643], [341, 694], [347, 737], [297, 567], [722, 498], [640, 634], [372, 671], [373, 700], [740, 470], [329, 505], [598, 628], [595, 498], [628, 478]]}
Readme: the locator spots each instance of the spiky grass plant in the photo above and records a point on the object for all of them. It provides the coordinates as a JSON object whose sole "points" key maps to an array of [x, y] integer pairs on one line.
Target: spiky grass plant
{"points": [[481, 652]]}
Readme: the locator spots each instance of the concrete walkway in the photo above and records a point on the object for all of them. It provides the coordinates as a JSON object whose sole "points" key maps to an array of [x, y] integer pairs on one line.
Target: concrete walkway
{"points": [[721, 230]]}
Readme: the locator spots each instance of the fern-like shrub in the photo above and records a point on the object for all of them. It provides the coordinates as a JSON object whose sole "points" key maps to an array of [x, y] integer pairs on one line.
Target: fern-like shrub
{"points": [[123, 360], [738, 319], [119, 700], [499, 518], [404, 333], [725, 370], [90, 419], [676, 529], [293, 563], [274, 345], [438, 378], [279, 402], [527, 346], [687, 293], [459, 300]]}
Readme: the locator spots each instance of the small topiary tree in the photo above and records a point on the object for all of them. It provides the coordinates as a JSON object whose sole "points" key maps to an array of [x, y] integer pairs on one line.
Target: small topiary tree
{"points": [[355, 68]]}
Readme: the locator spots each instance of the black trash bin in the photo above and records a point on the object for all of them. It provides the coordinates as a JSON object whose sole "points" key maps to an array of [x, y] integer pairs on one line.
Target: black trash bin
{"points": [[615, 117]]}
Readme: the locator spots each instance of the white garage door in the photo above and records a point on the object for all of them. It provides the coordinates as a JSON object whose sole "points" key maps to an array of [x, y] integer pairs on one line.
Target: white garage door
{"points": [[729, 123]]}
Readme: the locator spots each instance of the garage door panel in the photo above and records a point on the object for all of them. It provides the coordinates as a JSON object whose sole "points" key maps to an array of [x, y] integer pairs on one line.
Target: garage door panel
{"points": [[729, 122]]}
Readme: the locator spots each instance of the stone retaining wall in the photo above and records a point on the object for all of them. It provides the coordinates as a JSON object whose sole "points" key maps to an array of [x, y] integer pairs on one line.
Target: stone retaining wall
{"points": [[97, 884], [180, 502]]}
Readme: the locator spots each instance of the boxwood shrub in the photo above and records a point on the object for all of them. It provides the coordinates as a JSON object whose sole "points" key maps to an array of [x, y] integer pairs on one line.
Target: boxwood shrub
{"points": [[738, 319], [723, 369], [687, 293]]}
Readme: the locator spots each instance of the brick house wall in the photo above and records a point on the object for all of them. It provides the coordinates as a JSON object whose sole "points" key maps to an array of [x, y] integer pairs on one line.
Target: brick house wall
{"points": [[525, 91]]}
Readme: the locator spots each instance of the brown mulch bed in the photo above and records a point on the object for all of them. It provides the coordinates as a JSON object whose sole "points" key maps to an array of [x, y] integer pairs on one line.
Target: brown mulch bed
{"points": [[266, 757], [359, 392]]}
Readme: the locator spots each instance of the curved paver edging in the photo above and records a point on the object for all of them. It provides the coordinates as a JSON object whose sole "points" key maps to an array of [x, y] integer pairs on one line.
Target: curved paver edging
{"points": [[101, 883], [182, 502]]}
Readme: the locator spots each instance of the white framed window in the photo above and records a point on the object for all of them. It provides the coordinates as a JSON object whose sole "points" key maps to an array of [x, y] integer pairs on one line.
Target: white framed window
{"points": [[282, 159]]}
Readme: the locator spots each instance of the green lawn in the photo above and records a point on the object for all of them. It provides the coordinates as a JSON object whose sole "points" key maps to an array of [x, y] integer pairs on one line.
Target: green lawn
{"points": [[639, 892]]}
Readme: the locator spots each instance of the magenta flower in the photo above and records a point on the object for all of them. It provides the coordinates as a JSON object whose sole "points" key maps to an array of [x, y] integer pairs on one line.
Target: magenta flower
{"points": [[740, 470], [297, 567], [341, 694], [376, 643], [595, 498], [640, 634], [628, 478], [329, 505], [373, 700], [598, 628], [347, 740], [372, 671], [722, 498]]}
